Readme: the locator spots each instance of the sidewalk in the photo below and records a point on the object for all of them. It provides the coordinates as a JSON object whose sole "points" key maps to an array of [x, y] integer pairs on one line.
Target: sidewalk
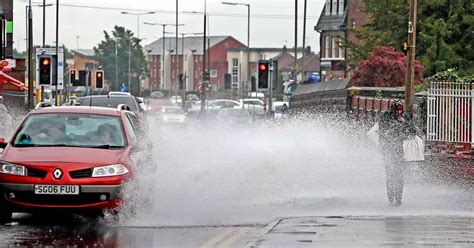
{"points": [[444, 231]]}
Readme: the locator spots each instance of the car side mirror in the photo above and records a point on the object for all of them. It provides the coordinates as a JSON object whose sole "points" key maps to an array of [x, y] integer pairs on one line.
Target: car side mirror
{"points": [[3, 143]]}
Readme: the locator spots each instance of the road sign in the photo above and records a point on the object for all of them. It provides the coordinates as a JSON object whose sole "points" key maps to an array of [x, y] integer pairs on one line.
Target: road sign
{"points": [[56, 61]]}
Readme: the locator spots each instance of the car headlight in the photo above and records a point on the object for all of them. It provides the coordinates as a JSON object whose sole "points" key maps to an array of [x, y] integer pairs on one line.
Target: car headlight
{"points": [[109, 170], [12, 169]]}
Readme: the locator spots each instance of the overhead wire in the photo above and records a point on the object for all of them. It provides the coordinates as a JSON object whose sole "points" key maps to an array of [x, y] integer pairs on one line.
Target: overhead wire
{"points": [[218, 14]]}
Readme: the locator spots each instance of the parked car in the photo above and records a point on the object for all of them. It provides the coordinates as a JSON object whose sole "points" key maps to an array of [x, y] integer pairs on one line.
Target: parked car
{"points": [[223, 103], [176, 100], [232, 116], [254, 105], [112, 101], [172, 114], [71, 159], [157, 95]]}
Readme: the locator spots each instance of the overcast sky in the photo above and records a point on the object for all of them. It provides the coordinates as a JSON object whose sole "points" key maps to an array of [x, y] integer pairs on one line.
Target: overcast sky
{"points": [[89, 23]]}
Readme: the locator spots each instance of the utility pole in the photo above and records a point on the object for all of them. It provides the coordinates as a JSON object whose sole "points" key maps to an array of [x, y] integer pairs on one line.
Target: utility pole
{"points": [[203, 87], [410, 77], [116, 63], [130, 66], [295, 76], [57, 53], [44, 22], [31, 101], [177, 60], [304, 40]]}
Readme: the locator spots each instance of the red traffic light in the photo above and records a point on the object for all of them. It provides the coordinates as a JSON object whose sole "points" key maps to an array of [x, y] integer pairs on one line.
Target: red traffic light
{"points": [[73, 72], [99, 74], [46, 62], [262, 67]]}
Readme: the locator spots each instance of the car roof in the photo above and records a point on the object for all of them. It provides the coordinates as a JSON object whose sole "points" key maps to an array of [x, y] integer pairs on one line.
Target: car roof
{"points": [[109, 96], [79, 110]]}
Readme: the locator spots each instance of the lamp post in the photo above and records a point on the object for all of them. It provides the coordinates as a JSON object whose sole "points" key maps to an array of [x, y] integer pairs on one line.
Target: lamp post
{"points": [[248, 35], [182, 51], [138, 18], [163, 25]]}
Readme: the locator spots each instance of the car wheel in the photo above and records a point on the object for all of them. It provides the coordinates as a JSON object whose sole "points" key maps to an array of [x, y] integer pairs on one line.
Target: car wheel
{"points": [[5, 215]]}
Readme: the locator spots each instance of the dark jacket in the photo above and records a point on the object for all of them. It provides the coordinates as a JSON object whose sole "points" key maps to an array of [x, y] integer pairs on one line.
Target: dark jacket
{"points": [[392, 132]]}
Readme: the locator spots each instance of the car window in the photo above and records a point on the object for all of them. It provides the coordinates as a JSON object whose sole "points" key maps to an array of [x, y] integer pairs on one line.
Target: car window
{"points": [[71, 129], [131, 129]]}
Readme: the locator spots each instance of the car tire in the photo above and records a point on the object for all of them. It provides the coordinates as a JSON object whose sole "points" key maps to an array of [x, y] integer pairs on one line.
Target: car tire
{"points": [[5, 215]]}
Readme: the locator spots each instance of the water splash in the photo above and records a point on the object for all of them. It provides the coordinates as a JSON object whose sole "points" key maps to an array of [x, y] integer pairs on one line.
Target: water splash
{"points": [[207, 174]]}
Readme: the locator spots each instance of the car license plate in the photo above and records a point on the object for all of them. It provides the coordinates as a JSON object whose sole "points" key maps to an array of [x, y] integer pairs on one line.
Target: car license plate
{"points": [[57, 189]]}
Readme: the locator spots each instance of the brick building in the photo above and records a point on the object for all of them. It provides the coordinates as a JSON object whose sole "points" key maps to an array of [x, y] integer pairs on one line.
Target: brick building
{"points": [[237, 60], [84, 59], [334, 24], [188, 62]]}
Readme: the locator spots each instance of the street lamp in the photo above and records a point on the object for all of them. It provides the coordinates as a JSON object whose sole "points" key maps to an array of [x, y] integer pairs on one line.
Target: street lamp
{"points": [[138, 18], [248, 36], [182, 52], [163, 25]]}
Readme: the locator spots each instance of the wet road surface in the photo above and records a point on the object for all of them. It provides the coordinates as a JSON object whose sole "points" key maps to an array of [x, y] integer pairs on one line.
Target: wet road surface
{"points": [[333, 231]]}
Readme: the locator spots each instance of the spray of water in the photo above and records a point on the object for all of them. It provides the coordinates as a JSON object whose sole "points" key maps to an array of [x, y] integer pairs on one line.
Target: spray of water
{"points": [[207, 173]]}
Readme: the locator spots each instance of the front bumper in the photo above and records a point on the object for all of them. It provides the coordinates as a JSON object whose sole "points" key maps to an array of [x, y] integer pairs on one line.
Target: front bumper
{"points": [[22, 197]]}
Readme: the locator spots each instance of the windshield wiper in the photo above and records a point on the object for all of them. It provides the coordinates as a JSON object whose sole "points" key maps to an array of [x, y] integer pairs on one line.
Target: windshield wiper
{"points": [[39, 145], [105, 147], [25, 145]]}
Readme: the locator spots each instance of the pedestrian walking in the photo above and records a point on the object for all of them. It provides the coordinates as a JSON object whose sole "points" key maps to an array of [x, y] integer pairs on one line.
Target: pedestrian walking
{"points": [[395, 126]]}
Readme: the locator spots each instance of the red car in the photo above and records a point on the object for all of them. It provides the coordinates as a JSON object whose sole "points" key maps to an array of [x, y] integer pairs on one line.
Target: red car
{"points": [[66, 158]]}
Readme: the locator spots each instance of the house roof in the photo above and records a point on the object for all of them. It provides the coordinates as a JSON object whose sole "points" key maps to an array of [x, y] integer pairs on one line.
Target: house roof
{"points": [[311, 63], [194, 43], [331, 22], [263, 49], [84, 52]]}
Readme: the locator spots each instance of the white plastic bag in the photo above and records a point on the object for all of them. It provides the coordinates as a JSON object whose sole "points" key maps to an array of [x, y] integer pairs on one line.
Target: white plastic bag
{"points": [[414, 149], [373, 134]]}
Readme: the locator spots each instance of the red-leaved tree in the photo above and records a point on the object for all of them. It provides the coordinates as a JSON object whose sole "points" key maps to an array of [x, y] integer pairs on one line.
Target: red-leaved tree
{"points": [[385, 67]]}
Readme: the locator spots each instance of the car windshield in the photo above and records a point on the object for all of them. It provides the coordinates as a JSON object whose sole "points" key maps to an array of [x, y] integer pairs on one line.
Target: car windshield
{"points": [[70, 129], [109, 102]]}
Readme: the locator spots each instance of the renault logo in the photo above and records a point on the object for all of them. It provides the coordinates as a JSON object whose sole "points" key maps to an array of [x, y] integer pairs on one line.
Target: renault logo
{"points": [[57, 173]]}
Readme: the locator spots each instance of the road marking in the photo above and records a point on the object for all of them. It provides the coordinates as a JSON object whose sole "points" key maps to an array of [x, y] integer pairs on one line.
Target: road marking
{"points": [[219, 237], [231, 239]]}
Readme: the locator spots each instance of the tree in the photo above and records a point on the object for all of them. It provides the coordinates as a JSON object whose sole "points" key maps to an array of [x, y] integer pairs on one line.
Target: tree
{"points": [[445, 31], [385, 67], [116, 61]]}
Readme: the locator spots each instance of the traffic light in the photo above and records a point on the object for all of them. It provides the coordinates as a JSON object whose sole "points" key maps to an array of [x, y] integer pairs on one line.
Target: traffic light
{"points": [[263, 73], [45, 70], [99, 79], [207, 75], [72, 76]]}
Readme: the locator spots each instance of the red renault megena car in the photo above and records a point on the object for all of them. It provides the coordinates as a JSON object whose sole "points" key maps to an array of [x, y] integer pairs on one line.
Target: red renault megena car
{"points": [[75, 159]]}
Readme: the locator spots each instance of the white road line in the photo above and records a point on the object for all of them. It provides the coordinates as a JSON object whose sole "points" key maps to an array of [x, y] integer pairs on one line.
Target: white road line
{"points": [[231, 239], [216, 239]]}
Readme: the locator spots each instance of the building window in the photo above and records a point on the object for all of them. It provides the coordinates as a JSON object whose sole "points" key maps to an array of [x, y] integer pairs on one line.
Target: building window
{"points": [[327, 55], [341, 7], [334, 48], [195, 58], [213, 73], [328, 7], [172, 59], [172, 73], [334, 7], [235, 71], [341, 49]]}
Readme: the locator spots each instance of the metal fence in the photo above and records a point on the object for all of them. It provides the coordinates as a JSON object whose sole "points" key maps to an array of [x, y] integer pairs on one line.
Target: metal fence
{"points": [[450, 112]]}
